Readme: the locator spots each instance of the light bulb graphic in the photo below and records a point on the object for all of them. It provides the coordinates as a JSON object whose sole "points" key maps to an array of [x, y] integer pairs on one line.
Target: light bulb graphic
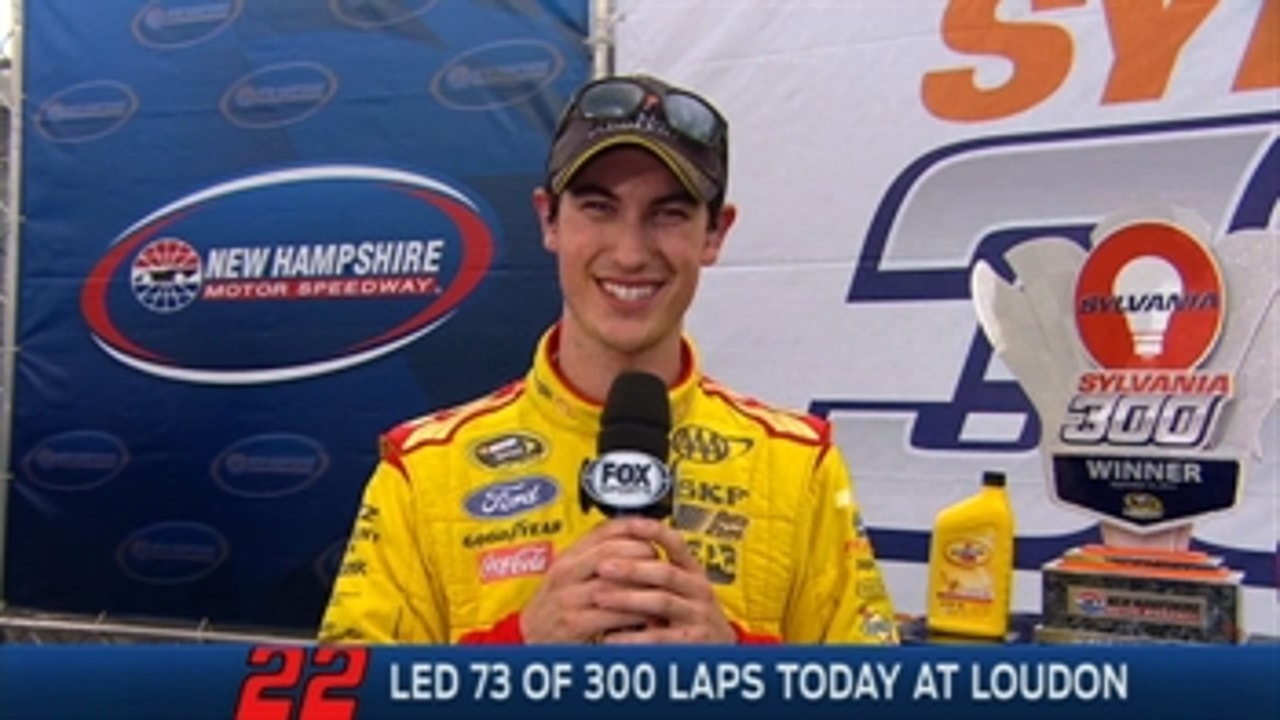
{"points": [[1147, 285]]}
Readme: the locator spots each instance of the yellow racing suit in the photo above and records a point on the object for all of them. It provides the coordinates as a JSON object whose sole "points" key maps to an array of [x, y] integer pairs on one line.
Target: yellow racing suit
{"points": [[468, 507]]}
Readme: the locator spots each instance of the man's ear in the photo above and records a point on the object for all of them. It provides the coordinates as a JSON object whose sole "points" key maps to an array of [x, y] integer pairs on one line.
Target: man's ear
{"points": [[542, 204], [716, 236]]}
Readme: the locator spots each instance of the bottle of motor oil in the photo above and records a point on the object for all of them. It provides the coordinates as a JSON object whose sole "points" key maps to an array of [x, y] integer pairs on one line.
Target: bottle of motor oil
{"points": [[971, 564]]}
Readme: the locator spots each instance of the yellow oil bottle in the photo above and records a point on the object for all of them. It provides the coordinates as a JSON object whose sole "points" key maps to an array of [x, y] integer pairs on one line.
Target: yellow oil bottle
{"points": [[971, 564]]}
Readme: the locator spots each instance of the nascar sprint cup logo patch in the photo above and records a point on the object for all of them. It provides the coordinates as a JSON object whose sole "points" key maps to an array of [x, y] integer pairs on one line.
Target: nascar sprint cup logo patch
{"points": [[287, 274], [1145, 358]]}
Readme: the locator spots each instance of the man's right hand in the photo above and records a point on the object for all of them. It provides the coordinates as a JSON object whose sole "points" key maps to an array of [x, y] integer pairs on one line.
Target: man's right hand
{"points": [[561, 611]]}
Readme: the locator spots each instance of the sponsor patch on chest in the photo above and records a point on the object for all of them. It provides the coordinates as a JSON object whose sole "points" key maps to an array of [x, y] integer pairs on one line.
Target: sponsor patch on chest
{"points": [[516, 561]]}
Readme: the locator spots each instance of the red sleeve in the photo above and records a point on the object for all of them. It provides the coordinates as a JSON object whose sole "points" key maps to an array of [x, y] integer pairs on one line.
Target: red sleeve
{"points": [[505, 632], [746, 638]]}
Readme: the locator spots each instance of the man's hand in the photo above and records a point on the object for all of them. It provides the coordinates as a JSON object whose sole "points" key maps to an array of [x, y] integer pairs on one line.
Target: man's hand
{"points": [[562, 610], [674, 592]]}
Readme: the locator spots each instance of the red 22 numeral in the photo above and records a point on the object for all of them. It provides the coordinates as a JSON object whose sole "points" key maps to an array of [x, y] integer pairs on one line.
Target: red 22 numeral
{"points": [[334, 670]]}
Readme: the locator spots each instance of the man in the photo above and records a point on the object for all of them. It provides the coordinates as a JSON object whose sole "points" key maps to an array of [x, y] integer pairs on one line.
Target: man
{"points": [[471, 531]]}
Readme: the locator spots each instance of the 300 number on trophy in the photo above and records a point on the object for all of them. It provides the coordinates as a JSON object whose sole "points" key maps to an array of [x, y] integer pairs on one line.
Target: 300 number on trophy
{"points": [[1182, 421]]}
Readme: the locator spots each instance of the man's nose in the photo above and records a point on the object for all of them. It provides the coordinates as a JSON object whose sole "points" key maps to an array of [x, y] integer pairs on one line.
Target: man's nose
{"points": [[631, 246]]}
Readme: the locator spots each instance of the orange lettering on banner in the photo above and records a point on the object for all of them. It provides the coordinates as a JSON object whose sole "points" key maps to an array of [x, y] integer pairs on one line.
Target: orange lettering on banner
{"points": [[1041, 54], [1147, 36], [1260, 68]]}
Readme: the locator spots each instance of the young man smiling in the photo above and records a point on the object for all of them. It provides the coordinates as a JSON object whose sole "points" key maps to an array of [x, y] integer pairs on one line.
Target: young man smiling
{"points": [[471, 530]]}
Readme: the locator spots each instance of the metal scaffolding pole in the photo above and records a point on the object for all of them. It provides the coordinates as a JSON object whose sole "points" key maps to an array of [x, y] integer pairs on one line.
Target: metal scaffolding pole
{"points": [[11, 97], [47, 629], [600, 37]]}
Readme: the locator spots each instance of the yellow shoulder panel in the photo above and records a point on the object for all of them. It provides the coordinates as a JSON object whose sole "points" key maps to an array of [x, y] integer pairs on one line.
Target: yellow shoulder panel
{"points": [[776, 422], [441, 426]]}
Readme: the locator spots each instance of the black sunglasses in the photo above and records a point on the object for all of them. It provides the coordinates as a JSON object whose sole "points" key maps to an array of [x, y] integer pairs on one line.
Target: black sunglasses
{"points": [[624, 99]]}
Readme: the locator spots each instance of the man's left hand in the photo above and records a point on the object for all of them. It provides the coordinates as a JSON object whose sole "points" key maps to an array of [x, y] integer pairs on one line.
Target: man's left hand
{"points": [[674, 592]]}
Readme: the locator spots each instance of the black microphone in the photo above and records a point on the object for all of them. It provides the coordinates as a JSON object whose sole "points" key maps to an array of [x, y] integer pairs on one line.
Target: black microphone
{"points": [[630, 475]]}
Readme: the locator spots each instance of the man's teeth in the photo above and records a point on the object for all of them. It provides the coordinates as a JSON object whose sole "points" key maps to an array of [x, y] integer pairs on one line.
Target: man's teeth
{"points": [[629, 293]]}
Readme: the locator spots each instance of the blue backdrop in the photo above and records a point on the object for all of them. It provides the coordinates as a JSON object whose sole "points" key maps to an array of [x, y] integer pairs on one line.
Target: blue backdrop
{"points": [[256, 234]]}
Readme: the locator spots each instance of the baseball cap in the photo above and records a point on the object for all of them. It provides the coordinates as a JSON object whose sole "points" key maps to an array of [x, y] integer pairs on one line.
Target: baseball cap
{"points": [[679, 126]]}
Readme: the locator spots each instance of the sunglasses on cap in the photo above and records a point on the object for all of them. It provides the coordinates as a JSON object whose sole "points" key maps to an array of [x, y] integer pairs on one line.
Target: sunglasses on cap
{"points": [[626, 98]]}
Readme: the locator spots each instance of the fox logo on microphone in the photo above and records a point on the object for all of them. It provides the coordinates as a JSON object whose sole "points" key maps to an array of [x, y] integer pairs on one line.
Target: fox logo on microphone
{"points": [[626, 482]]}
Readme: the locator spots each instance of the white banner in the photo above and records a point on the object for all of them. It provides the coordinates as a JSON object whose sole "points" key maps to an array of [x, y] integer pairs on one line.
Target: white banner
{"points": [[880, 148]]}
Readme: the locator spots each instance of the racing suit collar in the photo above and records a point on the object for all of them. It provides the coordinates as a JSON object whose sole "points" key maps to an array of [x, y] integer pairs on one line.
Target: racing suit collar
{"points": [[557, 400]]}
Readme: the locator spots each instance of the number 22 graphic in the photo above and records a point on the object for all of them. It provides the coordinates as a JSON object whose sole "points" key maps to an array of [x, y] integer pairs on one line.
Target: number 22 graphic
{"points": [[328, 688]]}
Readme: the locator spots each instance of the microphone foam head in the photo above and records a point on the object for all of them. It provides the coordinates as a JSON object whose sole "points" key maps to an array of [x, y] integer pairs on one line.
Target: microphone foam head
{"points": [[636, 416]]}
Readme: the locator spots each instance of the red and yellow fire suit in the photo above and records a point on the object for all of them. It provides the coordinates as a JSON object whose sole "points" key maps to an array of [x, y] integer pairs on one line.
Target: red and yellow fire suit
{"points": [[468, 506]]}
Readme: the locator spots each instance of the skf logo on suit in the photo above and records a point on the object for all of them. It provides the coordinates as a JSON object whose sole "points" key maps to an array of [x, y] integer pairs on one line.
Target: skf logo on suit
{"points": [[700, 491]]}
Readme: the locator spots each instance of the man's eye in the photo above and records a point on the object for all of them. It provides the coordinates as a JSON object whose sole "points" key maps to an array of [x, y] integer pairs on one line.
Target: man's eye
{"points": [[596, 206], [674, 212]]}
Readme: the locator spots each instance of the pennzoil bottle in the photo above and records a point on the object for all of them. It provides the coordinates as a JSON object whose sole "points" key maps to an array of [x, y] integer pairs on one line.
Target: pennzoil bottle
{"points": [[971, 564]]}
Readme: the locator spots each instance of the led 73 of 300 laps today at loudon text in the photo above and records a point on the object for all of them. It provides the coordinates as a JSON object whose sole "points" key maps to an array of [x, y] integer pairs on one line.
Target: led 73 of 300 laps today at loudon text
{"points": [[620, 681]]}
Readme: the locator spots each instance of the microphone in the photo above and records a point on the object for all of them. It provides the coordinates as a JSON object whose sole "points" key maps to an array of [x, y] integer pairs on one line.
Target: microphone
{"points": [[630, 474]]}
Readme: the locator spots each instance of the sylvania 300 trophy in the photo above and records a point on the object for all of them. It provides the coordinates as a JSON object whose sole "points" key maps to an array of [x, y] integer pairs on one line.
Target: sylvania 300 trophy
{"points": [[1150, 357]]}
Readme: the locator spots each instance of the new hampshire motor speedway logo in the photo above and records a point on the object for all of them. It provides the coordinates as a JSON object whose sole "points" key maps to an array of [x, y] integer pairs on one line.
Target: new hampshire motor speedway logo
{"points": [[497, 74], [287, 274], [169, 24]]}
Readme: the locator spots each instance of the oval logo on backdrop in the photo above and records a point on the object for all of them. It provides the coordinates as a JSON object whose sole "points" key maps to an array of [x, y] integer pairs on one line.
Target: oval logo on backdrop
{"points": [[374, 14], [329, 561], [497, 74], [179, 23], [87, 111], [172, 553], [279, 95], [507, 499], [76, 460], [270, 466], [287, 274]]}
